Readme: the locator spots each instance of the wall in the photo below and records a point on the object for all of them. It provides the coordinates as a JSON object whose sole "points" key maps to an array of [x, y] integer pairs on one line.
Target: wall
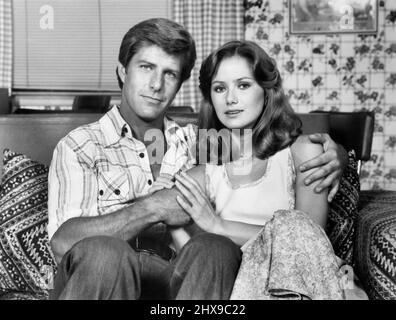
{"points": [[344, 72]]}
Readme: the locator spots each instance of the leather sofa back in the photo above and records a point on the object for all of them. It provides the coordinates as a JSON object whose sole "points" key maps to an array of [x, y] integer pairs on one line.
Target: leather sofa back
{"points": [[36, 135]]}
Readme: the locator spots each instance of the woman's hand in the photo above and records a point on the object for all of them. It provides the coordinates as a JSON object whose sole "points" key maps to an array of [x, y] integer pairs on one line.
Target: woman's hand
{"points": [[164, 181], [330, 165], [196, 204]]}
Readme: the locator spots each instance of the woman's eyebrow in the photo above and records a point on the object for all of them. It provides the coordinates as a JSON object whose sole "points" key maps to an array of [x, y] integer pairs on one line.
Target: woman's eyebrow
{"points": [[239, 79]]}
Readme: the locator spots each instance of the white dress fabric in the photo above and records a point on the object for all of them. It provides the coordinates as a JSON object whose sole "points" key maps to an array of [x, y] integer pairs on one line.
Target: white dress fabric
{"points": [[291, 257], [254, 202]]}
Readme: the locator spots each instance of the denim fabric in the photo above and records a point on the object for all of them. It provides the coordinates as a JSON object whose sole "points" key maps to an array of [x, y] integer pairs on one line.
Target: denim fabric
{"points": [[104, 267]]}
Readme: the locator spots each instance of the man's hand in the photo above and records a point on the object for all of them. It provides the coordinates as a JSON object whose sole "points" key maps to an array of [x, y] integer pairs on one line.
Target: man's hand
{"points": [[164, 202], [330, 165]]}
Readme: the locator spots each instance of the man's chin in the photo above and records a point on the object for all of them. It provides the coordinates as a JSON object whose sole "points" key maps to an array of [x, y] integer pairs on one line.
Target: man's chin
{"points": [[151, 116]]}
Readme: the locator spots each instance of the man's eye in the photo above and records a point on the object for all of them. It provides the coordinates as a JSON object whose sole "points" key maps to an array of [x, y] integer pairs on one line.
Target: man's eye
{"points": [[171, 75], [145, 67]]}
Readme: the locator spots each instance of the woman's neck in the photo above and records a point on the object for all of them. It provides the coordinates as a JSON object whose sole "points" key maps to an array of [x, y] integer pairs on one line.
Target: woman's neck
{"points": [[242, 144]]}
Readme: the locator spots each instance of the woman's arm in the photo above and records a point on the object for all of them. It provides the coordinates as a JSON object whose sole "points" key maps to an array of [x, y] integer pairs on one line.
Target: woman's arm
{"points": [[196, 203], [307, 200], [329, 165], [181, 235]]}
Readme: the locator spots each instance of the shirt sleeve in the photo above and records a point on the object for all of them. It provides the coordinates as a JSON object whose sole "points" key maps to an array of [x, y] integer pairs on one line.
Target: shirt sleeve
{"points": [[72, 188], [191, 134]]}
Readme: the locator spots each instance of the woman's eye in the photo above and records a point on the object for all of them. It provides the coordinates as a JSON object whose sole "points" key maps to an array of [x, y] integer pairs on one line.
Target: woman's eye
{"points": [[244, 86], [218, 89]]}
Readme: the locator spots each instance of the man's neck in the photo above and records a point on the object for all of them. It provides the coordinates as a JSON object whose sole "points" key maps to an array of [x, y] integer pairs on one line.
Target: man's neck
{"points": [[140, 126]]}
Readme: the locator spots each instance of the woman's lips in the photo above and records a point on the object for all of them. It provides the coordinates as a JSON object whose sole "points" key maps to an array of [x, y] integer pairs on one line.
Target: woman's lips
{"points": [[233, 112]]}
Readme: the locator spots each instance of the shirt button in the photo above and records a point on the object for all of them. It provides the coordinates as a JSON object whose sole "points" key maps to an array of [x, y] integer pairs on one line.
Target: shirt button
{"points": [[101, 192], [149, 182], [141, 155], [117, 192]]}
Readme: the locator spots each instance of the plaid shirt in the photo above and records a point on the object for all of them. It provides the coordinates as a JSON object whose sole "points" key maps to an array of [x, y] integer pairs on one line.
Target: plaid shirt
{"points": [[100, 167]]}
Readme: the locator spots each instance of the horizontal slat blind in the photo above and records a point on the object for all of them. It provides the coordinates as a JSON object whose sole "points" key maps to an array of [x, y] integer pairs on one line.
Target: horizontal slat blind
{"points": [[81, 51]]}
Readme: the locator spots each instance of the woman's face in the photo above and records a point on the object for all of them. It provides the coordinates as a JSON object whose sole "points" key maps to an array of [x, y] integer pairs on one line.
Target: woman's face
{"points": [[237, 97]]}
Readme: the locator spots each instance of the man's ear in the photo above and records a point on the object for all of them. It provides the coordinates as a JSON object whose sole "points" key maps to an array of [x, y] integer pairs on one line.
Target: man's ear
{"points": [[121, 72]]}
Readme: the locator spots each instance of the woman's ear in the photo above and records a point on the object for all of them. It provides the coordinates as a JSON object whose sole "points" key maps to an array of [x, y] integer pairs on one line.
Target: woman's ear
{"points": [[121, 72]]}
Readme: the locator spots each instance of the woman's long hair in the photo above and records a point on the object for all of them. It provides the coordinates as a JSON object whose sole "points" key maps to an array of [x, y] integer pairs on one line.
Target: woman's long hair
{"points": [[278, 126]]}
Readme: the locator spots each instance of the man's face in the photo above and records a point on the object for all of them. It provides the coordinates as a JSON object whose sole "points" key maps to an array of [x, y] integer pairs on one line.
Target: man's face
{"points": [[151, 81]]}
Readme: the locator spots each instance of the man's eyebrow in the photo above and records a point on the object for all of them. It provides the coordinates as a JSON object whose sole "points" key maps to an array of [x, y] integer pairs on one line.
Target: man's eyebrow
{"points": [[146, 62], [153, 64]]}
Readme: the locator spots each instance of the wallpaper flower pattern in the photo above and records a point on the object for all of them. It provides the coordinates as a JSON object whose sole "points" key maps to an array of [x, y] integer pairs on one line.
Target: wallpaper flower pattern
{"points": [[341, 72]]}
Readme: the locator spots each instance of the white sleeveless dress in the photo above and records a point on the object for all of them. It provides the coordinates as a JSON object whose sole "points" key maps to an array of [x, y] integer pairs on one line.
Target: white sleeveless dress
{"points": [[291, 257], [254, 202]]}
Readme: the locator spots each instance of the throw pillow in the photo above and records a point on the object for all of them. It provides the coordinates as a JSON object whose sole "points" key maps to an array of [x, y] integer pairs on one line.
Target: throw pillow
{"points": [[26, 261], [343, 212]]}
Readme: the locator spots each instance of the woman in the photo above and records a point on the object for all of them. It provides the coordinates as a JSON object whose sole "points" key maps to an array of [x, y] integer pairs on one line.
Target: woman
{"points": [[276, 219]]}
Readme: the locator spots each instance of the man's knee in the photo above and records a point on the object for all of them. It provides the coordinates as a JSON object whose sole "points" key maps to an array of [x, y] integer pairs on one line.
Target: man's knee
{"points": [[214, 246], [103, 249]]}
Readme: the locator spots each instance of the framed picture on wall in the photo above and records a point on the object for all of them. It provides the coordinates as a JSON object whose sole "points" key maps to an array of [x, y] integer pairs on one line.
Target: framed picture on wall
{"points": [[333, 16]]}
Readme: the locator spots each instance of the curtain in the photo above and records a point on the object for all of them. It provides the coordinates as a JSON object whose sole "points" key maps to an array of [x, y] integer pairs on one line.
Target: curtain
{"points": [[74, 44], [211, 23], [5, 44]]}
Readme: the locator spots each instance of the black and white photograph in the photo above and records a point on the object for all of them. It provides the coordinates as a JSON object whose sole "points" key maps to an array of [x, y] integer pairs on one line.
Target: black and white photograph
{"points": [[197, 157]]}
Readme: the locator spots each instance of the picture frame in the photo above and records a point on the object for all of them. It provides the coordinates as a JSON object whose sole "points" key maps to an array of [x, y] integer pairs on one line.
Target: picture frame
{"points": [[333, 16]]}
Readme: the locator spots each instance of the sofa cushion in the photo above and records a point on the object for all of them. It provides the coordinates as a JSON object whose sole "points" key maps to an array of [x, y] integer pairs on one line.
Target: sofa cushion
{"points": [[26, 261], [343, 212], [375, 248], [23, 295]]}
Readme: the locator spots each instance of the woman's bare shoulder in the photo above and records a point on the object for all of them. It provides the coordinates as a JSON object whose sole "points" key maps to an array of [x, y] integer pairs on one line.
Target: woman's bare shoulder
{"points": [[303, 149]]}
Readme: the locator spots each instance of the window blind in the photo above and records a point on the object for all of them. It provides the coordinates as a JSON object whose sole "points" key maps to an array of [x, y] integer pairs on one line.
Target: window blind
{"points": [[73, 44]]}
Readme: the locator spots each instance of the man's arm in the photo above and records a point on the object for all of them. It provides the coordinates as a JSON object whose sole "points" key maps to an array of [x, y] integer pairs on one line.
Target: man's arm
{"points": [[73, 205], [125, 223]]}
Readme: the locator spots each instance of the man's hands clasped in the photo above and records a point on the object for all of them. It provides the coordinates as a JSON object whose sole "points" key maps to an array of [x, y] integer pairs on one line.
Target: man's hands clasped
{"points": [[192, 200], [175, 217]]}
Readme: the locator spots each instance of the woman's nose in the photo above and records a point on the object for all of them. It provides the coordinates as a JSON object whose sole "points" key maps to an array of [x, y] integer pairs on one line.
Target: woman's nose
{"points": [[231, 97]]}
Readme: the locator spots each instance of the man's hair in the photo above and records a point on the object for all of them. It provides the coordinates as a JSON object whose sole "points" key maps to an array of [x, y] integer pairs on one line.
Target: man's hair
{"points": [[278, 126], [170, 36]]}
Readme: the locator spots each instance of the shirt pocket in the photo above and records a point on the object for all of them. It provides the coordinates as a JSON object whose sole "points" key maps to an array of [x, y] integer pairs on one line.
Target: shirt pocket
{"points": [[113, 187]]}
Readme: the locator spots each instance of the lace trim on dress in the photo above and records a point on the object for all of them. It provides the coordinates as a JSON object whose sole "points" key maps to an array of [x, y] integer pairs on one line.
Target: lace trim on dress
{"points": [[248, 184], [291, 180], [209, 189]]}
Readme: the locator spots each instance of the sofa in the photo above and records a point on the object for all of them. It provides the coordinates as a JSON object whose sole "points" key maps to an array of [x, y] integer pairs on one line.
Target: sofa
{"points": [[362, 229]]}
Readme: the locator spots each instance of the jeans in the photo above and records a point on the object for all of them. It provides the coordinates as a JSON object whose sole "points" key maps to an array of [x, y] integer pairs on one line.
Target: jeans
{"points": [[104, 267]]}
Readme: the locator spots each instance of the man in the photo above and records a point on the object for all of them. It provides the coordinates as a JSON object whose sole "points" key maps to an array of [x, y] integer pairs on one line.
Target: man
{"points": [[107, 226]]}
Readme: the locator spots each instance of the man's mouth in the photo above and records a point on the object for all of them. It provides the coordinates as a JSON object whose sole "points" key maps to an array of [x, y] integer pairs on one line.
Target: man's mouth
{"points": [[152, 99]]}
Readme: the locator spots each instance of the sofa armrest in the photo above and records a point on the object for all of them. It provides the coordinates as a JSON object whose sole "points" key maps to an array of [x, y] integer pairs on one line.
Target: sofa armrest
{"points": [[375, 243]]}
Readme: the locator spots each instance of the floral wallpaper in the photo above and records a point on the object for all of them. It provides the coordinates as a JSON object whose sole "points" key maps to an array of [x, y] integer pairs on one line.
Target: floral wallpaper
{"points": [[341, 72]]}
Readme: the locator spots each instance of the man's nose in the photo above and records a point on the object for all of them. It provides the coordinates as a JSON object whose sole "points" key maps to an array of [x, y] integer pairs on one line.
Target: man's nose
{"points": [[156, 81], [231, 97]]}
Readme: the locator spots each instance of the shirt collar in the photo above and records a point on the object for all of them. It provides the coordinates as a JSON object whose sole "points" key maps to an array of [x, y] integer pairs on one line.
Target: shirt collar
{"points": [[115, 128]]}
